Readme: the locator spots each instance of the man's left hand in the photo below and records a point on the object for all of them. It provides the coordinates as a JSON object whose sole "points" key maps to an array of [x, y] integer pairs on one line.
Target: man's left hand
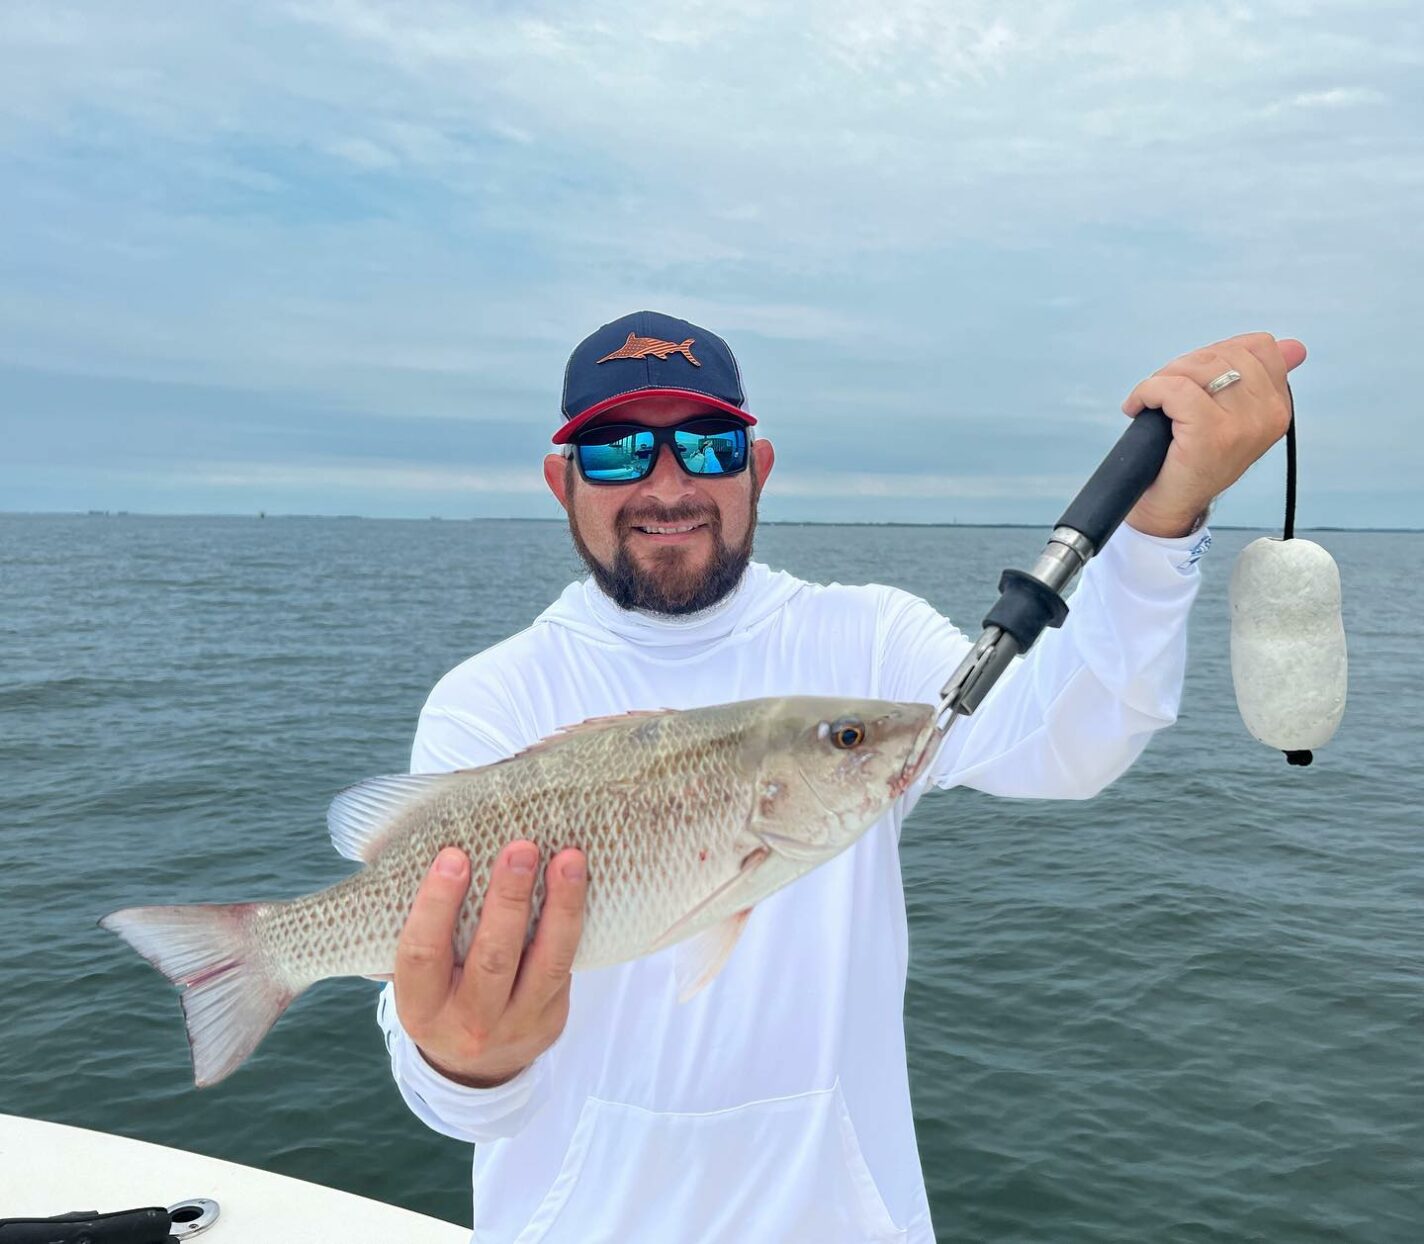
{"points": [[1214, 438]]}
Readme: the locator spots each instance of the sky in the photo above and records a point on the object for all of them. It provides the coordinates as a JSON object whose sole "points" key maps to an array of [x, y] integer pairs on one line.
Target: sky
{"points": [[330, 257]]}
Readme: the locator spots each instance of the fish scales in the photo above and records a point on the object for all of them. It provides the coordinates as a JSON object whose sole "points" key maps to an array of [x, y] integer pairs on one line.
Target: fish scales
{"points": [[675, 796]]}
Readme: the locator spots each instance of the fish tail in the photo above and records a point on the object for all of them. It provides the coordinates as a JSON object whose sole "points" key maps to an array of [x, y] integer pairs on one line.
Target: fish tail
{"points": [[685, 349], [232, 992]]}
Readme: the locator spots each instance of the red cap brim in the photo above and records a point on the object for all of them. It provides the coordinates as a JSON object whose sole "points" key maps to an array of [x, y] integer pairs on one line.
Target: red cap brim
{"points": [[585, 417]]}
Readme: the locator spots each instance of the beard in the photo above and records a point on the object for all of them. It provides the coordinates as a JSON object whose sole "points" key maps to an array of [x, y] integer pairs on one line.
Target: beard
{"points": [[669, 582]]}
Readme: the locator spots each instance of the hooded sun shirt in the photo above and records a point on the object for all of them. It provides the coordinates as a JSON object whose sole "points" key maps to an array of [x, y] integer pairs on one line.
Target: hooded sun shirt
{"points": [[775, 1105]]}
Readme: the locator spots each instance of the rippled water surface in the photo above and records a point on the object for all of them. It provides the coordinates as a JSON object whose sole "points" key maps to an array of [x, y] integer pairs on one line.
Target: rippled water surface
{"points": [[1191, 1009]]}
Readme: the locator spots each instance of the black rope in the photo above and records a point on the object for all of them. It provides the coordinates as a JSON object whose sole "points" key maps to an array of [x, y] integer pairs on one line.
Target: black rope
{"points": [[1290, 474], [1305, 756]]}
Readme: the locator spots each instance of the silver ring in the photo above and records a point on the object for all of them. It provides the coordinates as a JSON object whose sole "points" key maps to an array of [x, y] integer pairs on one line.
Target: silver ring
{"points": [[1226, 378]]}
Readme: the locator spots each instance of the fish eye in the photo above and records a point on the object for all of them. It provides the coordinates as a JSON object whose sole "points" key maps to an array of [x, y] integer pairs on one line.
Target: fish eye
{"points": [[847, 733]]}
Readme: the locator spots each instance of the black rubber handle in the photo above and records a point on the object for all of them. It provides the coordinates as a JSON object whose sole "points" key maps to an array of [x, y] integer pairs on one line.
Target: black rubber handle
{"points": [[129, 1226], [1124, 475]]}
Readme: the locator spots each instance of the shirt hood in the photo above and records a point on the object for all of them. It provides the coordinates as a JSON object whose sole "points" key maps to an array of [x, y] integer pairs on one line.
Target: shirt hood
{"points": [[584, 607]]}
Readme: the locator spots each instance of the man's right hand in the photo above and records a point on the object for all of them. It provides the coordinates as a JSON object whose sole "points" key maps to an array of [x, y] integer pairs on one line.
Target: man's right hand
{"points": [[483, 1022]]}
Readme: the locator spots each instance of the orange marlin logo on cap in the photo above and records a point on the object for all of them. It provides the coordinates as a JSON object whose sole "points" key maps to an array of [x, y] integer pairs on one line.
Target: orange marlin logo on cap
{"points": [[640, 347]]}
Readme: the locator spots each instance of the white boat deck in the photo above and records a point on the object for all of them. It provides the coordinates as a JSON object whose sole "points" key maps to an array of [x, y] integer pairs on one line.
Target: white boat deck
{"points": [[49, 1168]]}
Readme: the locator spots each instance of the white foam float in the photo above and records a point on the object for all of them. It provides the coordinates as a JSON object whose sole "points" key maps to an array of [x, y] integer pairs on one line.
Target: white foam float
{"points": [[1288, 658]]}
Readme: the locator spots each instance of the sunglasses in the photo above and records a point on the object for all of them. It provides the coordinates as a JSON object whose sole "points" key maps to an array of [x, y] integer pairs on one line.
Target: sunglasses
{"points": [[623, 453]]}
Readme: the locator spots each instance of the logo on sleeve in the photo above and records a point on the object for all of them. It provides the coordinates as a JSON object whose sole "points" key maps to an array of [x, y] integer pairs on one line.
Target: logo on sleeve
{"points": [[1196, 553]]}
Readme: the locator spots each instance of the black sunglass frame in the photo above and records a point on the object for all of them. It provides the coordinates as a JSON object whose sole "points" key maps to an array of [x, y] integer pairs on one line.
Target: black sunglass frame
{"points": [[661, 437]]}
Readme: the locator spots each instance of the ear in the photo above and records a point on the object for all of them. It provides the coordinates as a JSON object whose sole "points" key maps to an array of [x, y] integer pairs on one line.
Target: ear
{"points": [[764, 456], [556, 476]]}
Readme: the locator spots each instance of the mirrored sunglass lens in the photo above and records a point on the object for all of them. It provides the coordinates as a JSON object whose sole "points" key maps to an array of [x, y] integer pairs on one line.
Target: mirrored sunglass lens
{"points": [[609, 455], [713, 450]]}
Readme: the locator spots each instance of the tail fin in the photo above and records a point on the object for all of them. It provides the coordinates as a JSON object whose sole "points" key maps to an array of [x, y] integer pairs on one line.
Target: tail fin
{"points": [[685, 349], [232, 995]]}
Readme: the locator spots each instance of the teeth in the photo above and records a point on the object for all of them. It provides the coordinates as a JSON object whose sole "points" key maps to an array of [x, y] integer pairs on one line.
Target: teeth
{"points": [[670, 531]]}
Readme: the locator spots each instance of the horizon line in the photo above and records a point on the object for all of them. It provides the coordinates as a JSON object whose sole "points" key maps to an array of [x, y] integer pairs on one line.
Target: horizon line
{"points": [[513, 518]]}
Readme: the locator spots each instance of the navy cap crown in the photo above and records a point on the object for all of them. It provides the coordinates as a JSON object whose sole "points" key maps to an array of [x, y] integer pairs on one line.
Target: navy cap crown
{"points": [[648, 350]]}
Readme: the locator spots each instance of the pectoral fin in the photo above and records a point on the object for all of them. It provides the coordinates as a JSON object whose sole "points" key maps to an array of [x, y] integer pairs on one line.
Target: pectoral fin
{"points": [[682, 928], [700, 958]]}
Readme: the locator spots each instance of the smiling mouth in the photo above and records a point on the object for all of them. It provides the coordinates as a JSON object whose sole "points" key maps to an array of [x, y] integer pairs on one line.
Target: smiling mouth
{"points": [[668, 529]]}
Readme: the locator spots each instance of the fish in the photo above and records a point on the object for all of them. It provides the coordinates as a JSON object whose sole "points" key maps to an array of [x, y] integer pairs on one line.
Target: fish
{"points": [[688, 819], [640, 347]]}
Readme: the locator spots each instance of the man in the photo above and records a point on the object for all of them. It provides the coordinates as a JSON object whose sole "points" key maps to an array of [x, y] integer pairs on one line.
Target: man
{"points": [[775, 1105]]}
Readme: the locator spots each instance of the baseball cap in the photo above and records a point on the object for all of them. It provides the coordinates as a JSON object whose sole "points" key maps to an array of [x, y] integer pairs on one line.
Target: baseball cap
{"points": [[648, 354]]}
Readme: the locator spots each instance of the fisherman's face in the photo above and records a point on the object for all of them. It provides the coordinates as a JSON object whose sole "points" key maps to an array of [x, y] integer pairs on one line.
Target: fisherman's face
{"points": [[663, 571]]}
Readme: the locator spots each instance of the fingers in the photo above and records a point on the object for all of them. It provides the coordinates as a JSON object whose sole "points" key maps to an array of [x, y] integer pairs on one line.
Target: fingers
{"points": [[550, 959], [1256, 378], [1262, 360], [1278, 355], [1182, 397], [1292, 351], [425, 950], [493, 958], [1199, 368], [504, 1006], [1258, 348]]}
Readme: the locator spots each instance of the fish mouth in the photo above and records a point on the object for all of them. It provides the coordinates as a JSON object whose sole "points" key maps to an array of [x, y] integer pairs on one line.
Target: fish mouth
{"points": [[922, 749]]}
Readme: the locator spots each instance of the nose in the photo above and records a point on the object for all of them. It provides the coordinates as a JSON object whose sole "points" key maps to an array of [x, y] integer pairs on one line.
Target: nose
{"points": [[667, 482]]}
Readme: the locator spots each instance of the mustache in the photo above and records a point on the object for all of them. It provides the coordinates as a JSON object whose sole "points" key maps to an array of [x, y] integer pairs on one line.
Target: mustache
{"points": [[651, 514]]}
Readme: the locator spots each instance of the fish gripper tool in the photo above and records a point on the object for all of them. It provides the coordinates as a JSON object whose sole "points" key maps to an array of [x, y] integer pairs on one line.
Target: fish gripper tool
{"points": [[1032, 600]]}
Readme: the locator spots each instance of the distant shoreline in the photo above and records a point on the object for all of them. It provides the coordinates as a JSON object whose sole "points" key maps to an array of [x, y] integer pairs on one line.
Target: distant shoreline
{"points": [[766, 522]]}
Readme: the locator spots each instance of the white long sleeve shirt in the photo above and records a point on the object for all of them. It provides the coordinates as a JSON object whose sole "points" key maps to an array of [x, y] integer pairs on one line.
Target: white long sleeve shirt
{"points": [[775, 1105]]}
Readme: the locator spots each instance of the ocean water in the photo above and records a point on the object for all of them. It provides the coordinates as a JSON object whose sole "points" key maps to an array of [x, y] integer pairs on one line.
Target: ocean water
{"points": [[1191, 1009]]}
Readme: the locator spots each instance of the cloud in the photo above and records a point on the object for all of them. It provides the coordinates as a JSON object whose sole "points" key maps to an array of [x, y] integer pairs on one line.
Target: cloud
{"points": [[413, 213], [1334, 97]]}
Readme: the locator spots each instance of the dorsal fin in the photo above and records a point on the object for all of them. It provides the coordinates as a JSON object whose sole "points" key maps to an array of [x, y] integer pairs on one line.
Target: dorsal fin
{"points": [[592, 726], [361, 817]]}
